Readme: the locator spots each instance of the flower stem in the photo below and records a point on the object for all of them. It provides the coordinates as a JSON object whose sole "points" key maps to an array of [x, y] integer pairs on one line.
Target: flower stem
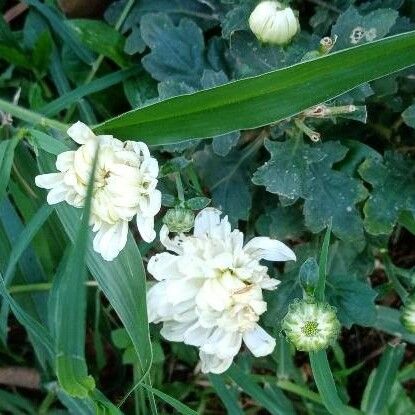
{"points": [[30, 116]]}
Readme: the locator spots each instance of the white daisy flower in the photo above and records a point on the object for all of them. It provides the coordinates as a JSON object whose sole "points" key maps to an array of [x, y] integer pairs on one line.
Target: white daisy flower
{"points": [[124, 186], [209, 289], [311, 326], [273, 23]]}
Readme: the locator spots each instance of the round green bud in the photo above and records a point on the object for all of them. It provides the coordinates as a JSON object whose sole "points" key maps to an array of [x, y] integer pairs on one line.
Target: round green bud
{"points": [[179, 220], [408, 314], [311, 326]]}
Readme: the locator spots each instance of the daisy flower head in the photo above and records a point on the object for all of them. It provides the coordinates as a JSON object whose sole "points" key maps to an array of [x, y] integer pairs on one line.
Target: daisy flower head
{"points": [[311, 326], [209, 286], [124, 186]]}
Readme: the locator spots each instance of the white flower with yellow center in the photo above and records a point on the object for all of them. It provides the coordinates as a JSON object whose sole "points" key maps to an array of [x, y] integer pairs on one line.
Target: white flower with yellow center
{"points": [[124, 186], [311, 326], [273, 23], [209, 291]]}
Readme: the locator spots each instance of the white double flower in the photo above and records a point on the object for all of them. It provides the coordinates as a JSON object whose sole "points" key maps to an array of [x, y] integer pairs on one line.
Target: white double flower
{"points": [[209, 290], [124, 186]]}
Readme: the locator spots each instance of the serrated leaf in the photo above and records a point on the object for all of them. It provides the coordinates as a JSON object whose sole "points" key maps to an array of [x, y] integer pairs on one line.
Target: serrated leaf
{"points": [[393, 191], [331, 195], [228, 181], [286, 172], [237, 18], [197, 203], [354, 29], [176, 51]]}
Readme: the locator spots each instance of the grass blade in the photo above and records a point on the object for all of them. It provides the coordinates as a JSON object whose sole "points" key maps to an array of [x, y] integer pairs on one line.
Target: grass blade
{"points": [[67, 302], [326, 386], [322, 266], [274, 406], [264, 99], [379, 386], [227, 397], [6, 161]]}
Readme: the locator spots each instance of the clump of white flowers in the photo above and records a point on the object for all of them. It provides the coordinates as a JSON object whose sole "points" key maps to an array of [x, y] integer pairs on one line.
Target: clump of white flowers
{"points": [[311, 326], [124, 186], [273, 23], [408, 314], [209, 289]]}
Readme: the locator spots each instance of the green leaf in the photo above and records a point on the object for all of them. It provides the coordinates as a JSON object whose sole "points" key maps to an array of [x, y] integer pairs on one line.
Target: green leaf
{"points": [[226, 395], [101, 38], [7, 148], [331, 195], [409, 116], [228, 181], [15, 404], [378, 389], [322, 266], [286, 172], [46, 142], [393, 191], [42, 51], [326, 386], [250, 103], [274, 406], [174, 403], [176, 51], [355, 29], [388, 320], [237, 18], [67, 301]]}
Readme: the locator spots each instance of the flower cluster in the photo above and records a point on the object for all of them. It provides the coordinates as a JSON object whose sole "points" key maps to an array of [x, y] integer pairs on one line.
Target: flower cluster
{"points": [[209, 289], [124, 186]]}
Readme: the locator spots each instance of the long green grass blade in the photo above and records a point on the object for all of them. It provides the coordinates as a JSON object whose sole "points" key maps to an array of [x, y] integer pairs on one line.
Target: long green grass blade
{"points": [[274, 406], [6, 160], [326, 386], [379, 386], [228, 399], [264, 99], [67, 304], [174, 403], [77, 94], [322, 266]]}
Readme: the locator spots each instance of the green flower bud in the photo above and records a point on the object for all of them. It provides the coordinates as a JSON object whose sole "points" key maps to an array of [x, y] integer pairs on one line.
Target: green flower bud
{"points": [[273, 23], [179, 220], [408, 314], [311, 326]]}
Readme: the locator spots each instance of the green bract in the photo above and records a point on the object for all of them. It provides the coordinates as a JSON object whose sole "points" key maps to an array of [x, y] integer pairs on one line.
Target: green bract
{"points": [[311, 326]]}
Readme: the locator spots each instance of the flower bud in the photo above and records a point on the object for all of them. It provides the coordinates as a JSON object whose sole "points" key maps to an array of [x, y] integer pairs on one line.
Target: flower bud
{"points": [[311, 326], [408, 314], [179, 220], [272, 23]]}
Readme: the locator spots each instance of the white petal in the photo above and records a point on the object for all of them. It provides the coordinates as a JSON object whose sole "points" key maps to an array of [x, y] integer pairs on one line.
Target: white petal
{"points": [[259, 342], [145, 226], [164, 266], [80, 133], [150, 166], [212, 364], [49, 180], [174, 331], [269, 249], [196, 335], [223, 344], [206, 220], [65, 160], [57, 194], [111, 239]]}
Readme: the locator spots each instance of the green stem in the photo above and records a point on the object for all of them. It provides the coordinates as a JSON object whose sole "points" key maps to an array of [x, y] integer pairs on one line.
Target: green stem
{"points": [[30, 116], [299, 390], [47, 402], [43, 286]]}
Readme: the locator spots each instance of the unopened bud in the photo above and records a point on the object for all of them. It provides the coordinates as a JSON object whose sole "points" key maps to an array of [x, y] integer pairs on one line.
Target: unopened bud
{"points": [[273, 23], [311, 326], [179, 220]]}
